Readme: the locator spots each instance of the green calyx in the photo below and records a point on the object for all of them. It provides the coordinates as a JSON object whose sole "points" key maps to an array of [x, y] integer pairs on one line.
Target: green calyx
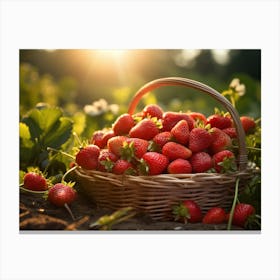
{"points": [[181, 212], [228, 165]]}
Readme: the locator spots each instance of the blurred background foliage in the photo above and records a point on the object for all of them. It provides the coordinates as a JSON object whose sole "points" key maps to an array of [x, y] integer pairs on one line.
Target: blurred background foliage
{"points": [[95, 86]]}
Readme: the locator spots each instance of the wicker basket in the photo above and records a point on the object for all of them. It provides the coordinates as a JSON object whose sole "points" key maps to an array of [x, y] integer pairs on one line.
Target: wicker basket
{"points": [[156, 195]]}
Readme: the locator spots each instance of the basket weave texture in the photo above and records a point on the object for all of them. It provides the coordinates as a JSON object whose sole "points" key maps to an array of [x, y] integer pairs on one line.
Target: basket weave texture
{"points": [[156, 195]]}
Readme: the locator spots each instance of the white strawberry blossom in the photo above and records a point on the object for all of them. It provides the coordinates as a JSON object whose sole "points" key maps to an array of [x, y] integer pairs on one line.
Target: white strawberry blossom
{"points": [[240, 89], [100, 107]]}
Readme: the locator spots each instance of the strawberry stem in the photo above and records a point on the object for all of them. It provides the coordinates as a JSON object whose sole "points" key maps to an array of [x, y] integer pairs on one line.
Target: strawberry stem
{"points": [[30, 191], [58, 151], [78, 139], [69, 211], [233, 204], [66, 173]]}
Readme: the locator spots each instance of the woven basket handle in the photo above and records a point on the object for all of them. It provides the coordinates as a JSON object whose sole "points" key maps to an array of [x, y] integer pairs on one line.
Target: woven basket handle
{"points": [[177, 81]]}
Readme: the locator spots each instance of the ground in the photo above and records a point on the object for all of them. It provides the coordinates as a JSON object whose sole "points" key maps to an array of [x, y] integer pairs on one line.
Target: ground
{"points": [[36, 213]]}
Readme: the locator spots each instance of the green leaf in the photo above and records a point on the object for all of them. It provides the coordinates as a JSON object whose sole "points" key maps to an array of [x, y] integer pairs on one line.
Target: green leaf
{"points": [[60, 133], [24, 132]]}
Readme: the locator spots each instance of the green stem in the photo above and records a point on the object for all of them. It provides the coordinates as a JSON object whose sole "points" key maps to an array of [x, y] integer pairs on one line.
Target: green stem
{"points": [[78, 139], [250, 148], [69, 211], [58, 151], [30, 191], [66, 173], [233, 204]]}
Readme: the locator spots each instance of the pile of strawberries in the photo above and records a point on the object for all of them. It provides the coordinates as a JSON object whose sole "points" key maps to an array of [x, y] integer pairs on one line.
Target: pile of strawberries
{"points": [[155, 142]]}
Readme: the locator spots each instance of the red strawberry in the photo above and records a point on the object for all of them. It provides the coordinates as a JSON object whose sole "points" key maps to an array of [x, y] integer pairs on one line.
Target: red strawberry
{"points": [[219, 121], [152, 111], [87, 157], [242, 214], [179, 166], [224, 161], [199, 139], [97, 139], [61, 194], [221, 141], [181, 132], [123, 124], [162, 138], [247, 123], [107, 135], [231, 132], [215, 215], [171, 118], [188, 211], [198, 117], [35, 181], [145, 129], [106, 160], [122, 166], [134, 148], [174, 150], [154, 163], [115, 144], [201, 162]]}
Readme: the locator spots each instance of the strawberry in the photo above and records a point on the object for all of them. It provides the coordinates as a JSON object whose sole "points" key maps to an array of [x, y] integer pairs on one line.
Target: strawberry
{"points": [[248, 124], [87, 157], [61, 194], [224, 161], [162, 138], [201, 162], [181, 132], [230, 131], [122, 166], [35, 181], [123, 124], [134, 148], [145, 129], [199, 139], [174, 150], [215, 215], [219, 121], [221, 141], [198, 117], [153, 163], [187, 211], [115, 144], [242, 214], [152, 111], [169, 120], [106, 160], [179, 166], [107, 135], [97, 139]]}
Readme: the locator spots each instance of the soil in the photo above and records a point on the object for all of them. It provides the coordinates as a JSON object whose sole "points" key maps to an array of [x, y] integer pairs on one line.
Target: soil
{"points": [[36, 213]]}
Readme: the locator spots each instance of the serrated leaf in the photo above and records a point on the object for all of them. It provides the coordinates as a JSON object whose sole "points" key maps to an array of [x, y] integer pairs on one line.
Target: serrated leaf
{"points": [[60, 133]]}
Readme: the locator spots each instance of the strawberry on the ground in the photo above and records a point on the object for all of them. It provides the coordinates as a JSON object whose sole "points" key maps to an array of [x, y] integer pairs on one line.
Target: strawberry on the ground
{"points": [[201, 162], [174, 150], [153, 110], [215, 215], [61, 194], [198, 118], [162, 138], [115, 144], [181, 132], [179, 166], [248, 124], [199, 139], [87, 157], [106, 160], [230, 131], [187, 211], [221, 141], [169, 120], [224, 161], [220, 120], [35, 181], [242, 214], [122, 166], [153, 163], [134, 148], [146, 129], [123, 124]]}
